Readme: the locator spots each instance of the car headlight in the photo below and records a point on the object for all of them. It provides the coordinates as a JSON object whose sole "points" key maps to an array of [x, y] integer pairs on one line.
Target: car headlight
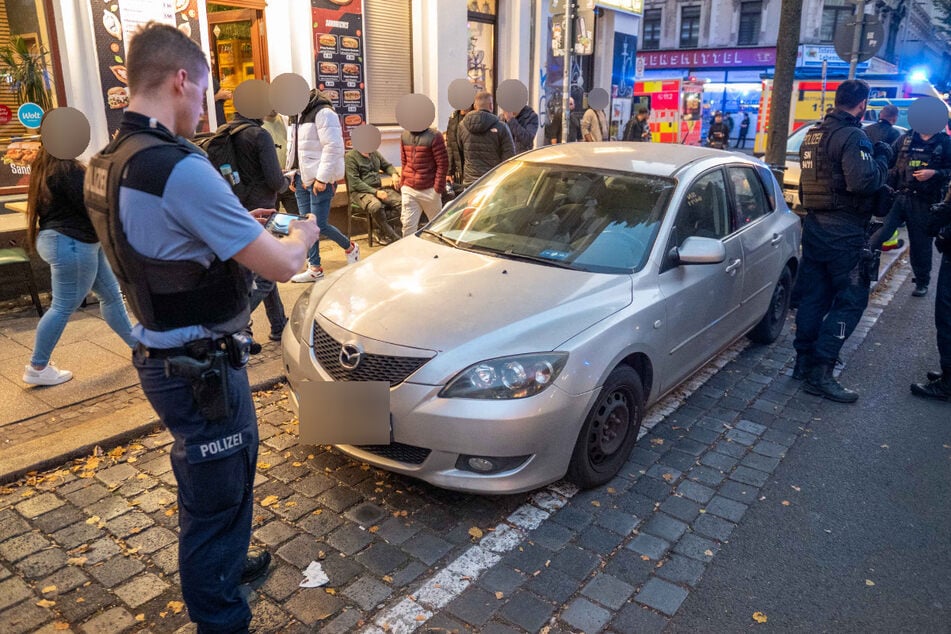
{"points": [[299, 315], [518, 376]]}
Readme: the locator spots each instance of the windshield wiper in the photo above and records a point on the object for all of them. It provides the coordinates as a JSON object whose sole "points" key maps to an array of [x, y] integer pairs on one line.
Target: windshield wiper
{"points": [[440, 237], [538, 259]]}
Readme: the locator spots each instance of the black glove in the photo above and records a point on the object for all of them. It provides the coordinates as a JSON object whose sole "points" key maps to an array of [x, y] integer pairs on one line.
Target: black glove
{"points": [[882, 150], [938, 218], [883, 200]]}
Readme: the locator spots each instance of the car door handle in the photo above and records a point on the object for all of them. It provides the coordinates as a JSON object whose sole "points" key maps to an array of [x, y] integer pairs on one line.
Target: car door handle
{"points": [[777, 238], [733, 266]]}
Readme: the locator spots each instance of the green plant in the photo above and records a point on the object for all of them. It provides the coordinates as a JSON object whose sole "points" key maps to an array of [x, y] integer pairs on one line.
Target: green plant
{"points": [[24, 67]]}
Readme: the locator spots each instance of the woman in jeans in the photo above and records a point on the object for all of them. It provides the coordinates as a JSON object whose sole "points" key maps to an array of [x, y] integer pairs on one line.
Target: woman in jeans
{"points": [[58, 227]]}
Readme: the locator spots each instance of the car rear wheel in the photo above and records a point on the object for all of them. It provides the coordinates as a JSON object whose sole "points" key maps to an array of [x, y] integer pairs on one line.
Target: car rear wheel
{"points": [[609, 431], [771, 325]]}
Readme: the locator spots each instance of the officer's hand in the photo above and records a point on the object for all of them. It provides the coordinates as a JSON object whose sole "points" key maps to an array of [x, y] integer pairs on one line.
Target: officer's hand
{"points": [[882, 150], [263, 215], [923, 175], [306, 229]]}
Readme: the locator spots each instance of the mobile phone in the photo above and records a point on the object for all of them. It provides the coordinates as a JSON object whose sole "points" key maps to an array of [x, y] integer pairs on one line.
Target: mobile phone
{"points": [[279, 223]]}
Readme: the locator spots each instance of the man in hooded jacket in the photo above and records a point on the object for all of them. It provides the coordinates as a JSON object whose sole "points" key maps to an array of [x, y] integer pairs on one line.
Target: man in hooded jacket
{"points": [[523, 125], [484, 141]]}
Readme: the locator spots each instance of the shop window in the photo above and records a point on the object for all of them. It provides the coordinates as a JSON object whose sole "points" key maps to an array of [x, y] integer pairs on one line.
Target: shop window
{"points": [[750, 16], [689, 27], [651, 37], [389, 62], [834, 14], [482, 24], [29, 73]]}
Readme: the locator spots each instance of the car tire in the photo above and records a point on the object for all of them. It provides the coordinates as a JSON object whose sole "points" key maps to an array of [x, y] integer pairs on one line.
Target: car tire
{"points": [[609, 430], [771, 325]]}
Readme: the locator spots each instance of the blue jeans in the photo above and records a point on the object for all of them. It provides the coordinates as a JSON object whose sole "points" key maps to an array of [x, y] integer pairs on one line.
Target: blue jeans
{"points": [[318, 204], [76, 268], [214, 464], [266, 291]]}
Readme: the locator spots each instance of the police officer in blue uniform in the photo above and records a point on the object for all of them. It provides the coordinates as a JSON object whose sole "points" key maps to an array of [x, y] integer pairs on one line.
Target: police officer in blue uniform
{"points": [[841, 173], [175, 234]]}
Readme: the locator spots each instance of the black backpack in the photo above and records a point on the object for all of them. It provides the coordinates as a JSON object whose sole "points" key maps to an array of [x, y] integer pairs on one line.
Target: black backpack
{"points": [[219, 146]]}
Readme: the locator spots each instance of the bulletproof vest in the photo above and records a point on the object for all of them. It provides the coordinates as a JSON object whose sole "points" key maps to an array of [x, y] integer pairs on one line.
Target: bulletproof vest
{"points": [[915, 154], [821, 182], [163, 294]]}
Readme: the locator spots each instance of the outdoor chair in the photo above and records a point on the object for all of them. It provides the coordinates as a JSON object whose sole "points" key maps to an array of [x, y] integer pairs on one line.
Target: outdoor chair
{"points": [[17, 258]]}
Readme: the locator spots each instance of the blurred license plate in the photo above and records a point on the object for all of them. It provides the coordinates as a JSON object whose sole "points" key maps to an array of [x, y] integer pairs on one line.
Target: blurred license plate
{"points": [[344, 412]]}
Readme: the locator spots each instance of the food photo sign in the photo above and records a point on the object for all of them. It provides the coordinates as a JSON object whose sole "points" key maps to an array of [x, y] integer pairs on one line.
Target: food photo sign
{"points": [[338, 58], [114, 23]]}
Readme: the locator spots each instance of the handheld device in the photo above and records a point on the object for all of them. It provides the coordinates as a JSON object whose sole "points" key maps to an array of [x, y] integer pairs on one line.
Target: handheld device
{"points": [[279, 223]]}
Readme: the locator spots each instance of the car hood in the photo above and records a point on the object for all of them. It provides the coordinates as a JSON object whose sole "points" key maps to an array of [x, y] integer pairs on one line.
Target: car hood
{"points": [[431, 296]]}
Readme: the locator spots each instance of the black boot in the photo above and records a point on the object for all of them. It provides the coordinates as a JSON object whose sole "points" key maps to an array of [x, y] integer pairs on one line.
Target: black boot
{"points": [[802, 367], [935, 376], [938, 389], [822, 383], [255, 565]]}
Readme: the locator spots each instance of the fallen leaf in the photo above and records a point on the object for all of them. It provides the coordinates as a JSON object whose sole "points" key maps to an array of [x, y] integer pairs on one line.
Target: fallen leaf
{"points": [[595, 503], [77, 561], [263, 465], [612, 490], [869, 582], [703, 510], [60, 625], [297, 464], [140, 617], [645, 558], [269, 500], [884, 446], [117, 453], [48, 589], [475, 532], [45, 603], [169, 512], [289, 504], [373, 528], [499, 595], [175, 606], [708, 552], [420, 617], [785, 502], [330, 591], [93, 520], [795, 488], [759, 617], [668, 477], [657, 441], [387, 578]]}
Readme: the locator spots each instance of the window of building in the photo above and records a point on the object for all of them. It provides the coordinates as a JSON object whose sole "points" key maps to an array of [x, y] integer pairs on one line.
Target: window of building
{"points": [[834, 14], [482, 23], [750, 16], [689, 27], [389, 63], [29, 74], [651, 37]]}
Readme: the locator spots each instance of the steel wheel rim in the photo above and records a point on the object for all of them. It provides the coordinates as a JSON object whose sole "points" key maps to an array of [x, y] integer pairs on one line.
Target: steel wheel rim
{"points": [[609, 427]]}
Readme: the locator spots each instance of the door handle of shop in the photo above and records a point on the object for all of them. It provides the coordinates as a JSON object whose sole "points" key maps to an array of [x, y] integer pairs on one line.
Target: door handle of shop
{"points": [[777, 238], [733, 266]]}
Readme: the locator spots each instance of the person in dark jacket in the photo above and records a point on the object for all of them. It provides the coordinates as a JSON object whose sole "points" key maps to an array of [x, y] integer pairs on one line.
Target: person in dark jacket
{"points": [[58, 227], [425, 166], [718, 136], [554, 127], [744, 130], [365, 187], [884, 130], [261, 171], [484, 141], [841, 174], [638, 129], [523, 126], [452, 147]]}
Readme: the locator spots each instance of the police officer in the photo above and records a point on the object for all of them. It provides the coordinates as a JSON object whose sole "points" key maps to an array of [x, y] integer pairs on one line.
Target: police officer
{"points": [[938, 385], [885, 130], [921, 172], [175, 234], [841, 172]]}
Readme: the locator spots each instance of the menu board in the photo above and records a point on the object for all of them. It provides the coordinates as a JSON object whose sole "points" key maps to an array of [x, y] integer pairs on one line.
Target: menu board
{"points": [[114, 24], [338, 59]]}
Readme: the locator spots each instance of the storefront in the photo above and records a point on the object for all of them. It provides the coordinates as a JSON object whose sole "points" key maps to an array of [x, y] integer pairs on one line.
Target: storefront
{"points": [[731, 79]]}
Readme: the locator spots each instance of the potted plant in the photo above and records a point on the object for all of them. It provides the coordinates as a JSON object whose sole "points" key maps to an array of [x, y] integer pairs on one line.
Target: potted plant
{"points": [[24, 66]]}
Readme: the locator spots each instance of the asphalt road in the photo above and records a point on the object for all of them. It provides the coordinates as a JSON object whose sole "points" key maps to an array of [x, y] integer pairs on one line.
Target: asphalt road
{"points": [[864, 544]]}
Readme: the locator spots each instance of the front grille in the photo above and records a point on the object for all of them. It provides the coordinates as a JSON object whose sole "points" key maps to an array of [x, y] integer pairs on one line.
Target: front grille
{"points": [[373, 367], [398, 452]]}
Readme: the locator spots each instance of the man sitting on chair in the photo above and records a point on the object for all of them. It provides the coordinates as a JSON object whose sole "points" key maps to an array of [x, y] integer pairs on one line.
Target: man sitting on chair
{"points": [[365, 188]]}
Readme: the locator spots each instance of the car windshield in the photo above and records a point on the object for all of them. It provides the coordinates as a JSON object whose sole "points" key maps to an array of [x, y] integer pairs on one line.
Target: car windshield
{"points": [[557, 215]]}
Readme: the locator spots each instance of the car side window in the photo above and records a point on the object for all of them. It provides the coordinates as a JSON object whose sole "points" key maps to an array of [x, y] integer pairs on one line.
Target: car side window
{"points": [[704, 212], [748, 195]]}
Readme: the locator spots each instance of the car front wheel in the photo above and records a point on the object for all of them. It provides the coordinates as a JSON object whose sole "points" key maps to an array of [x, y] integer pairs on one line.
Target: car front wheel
{"points": [[609, 431]]}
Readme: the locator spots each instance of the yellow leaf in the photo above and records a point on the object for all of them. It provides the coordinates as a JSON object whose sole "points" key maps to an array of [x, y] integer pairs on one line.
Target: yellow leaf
{"points": [[291, 503], [759, 617], [373, 528], [45, 603], [595, 503], [668, 477], [48, 589], [175, 606], [93, 520], [388, 578], [140, 617], [263, 465], [708, 552], [297, 464], [60, 625], [420, 617], [499, 595], [657, 441], [612, 490], [869, 582], [317, 512], [645, 558], [330, 591], [80, 600], [117, 453], [475, 532], [77, 561], [269, 500], [169, 512], [785, 502], [92, 463]]}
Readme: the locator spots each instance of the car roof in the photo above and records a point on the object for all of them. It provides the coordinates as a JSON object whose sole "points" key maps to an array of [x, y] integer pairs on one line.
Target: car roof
{"points": [[654, 159]]}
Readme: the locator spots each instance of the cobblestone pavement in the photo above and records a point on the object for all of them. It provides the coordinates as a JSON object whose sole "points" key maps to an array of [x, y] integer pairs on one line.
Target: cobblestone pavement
{"points": [[91, 546]]}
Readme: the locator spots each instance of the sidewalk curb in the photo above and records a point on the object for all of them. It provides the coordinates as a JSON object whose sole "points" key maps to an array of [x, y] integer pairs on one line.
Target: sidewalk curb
{"points": [[106, 431]]}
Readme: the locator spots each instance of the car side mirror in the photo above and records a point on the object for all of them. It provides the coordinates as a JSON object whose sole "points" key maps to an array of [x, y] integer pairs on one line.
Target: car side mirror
{"points": [[695, 250]]}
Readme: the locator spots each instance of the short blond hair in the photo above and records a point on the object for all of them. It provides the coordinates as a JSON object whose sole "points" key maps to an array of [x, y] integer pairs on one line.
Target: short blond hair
{"points": [[159, 50]]}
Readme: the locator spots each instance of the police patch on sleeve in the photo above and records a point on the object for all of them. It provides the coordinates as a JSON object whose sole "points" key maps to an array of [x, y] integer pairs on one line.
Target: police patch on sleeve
{"points": [[217, 448]]}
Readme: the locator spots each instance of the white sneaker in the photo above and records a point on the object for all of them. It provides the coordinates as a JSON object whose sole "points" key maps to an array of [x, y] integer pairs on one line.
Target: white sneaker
{"points": [[353, 253], [50, 375], [310, 275]]}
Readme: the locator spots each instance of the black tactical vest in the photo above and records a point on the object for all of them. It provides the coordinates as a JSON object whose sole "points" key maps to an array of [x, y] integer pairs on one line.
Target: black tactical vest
{"points": [[821, 182], [914, 154], [163, 294]]}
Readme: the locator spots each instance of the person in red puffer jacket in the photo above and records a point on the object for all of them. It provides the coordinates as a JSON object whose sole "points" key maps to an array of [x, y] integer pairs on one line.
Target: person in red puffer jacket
{"points": [[425, 165]]}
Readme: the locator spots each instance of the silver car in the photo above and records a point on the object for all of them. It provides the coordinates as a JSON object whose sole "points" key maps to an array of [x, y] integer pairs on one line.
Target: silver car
{"points": [[523, 333]]}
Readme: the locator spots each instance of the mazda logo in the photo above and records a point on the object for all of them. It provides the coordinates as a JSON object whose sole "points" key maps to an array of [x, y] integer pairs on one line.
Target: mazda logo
{"points": [[350, 355]]}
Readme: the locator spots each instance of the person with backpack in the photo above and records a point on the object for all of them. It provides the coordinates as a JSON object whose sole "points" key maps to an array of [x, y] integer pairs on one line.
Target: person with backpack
{"points": [[315, 157]]}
